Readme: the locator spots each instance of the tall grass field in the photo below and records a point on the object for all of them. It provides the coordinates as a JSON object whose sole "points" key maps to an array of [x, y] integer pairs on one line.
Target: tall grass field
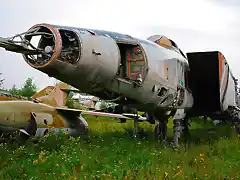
{"points": [[109, 151]]}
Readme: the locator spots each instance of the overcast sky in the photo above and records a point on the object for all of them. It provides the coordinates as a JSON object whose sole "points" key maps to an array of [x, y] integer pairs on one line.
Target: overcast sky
{"points": [[198, 25]]}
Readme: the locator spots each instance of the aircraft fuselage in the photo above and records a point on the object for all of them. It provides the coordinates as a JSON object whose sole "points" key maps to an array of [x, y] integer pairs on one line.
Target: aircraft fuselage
{"points": [[106, 64]]}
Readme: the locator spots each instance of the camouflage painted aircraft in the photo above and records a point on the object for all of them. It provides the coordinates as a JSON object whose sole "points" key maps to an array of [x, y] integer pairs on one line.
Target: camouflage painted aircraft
{"points": [[45, 111], [153, 75]]}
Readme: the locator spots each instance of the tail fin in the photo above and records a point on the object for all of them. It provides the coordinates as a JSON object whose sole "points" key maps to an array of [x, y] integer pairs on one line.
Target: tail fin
{"points": [[54, 95]]}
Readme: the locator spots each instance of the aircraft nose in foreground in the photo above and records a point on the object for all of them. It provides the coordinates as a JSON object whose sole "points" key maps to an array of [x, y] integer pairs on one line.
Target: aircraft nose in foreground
{"points": [[68, 53], [54, 44]]}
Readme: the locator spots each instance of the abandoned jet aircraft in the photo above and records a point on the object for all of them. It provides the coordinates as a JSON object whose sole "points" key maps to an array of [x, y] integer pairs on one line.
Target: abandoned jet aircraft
{"points": [[44, 112], [150, 75]]}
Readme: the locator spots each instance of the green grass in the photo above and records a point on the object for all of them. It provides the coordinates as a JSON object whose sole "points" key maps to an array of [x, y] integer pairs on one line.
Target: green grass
{"points": [[110, 152]]}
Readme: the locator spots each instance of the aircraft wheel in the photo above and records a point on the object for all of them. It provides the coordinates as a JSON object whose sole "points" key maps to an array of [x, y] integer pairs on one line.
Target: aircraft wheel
{"points": [[22, 138], [160, 131]]}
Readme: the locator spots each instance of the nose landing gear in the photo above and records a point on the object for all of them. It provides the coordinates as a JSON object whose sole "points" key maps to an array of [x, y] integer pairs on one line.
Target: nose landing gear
{"points": [[160, 131]]}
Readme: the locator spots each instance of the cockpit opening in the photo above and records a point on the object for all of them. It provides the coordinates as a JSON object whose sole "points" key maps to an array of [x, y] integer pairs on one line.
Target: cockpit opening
{"points": [[175, 45], [165, 42]]}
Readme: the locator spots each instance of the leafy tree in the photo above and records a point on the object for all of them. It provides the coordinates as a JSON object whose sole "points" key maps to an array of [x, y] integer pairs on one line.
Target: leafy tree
{"points": [[14, 90], [28, 89]]}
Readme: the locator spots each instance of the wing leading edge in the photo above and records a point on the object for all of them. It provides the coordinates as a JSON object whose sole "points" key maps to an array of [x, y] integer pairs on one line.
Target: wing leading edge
{"points": [[103, 114]]}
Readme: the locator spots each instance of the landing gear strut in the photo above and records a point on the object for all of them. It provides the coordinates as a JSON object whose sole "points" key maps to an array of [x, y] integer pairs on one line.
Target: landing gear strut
{"points": [[30, 130], [160, 131], [136, 128], [186, 132], [179, 123], [236, 123]]}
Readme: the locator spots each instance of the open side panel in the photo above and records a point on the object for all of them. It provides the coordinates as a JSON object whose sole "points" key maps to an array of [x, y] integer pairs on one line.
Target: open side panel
{"points": [[204, 81], [133, 62]]}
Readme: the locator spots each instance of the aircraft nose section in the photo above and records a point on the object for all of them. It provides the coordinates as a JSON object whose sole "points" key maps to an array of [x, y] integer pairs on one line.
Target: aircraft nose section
{"points": [[43, 44], [55, 43], [48, 41], [69, 53], [48, 44]]}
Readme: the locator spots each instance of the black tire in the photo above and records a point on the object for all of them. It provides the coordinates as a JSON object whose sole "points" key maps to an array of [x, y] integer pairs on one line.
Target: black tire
{"points": [[22, 139]]}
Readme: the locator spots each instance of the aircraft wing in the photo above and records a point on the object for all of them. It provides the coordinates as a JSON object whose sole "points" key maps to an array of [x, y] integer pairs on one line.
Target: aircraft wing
{"points": [[29, 106], [70, 90], [92, 113], [103, 114], [24, 106], [130, 115]]}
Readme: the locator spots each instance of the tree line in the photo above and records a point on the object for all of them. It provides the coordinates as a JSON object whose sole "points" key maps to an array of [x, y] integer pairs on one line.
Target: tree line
{"points": [[28, 89]]}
